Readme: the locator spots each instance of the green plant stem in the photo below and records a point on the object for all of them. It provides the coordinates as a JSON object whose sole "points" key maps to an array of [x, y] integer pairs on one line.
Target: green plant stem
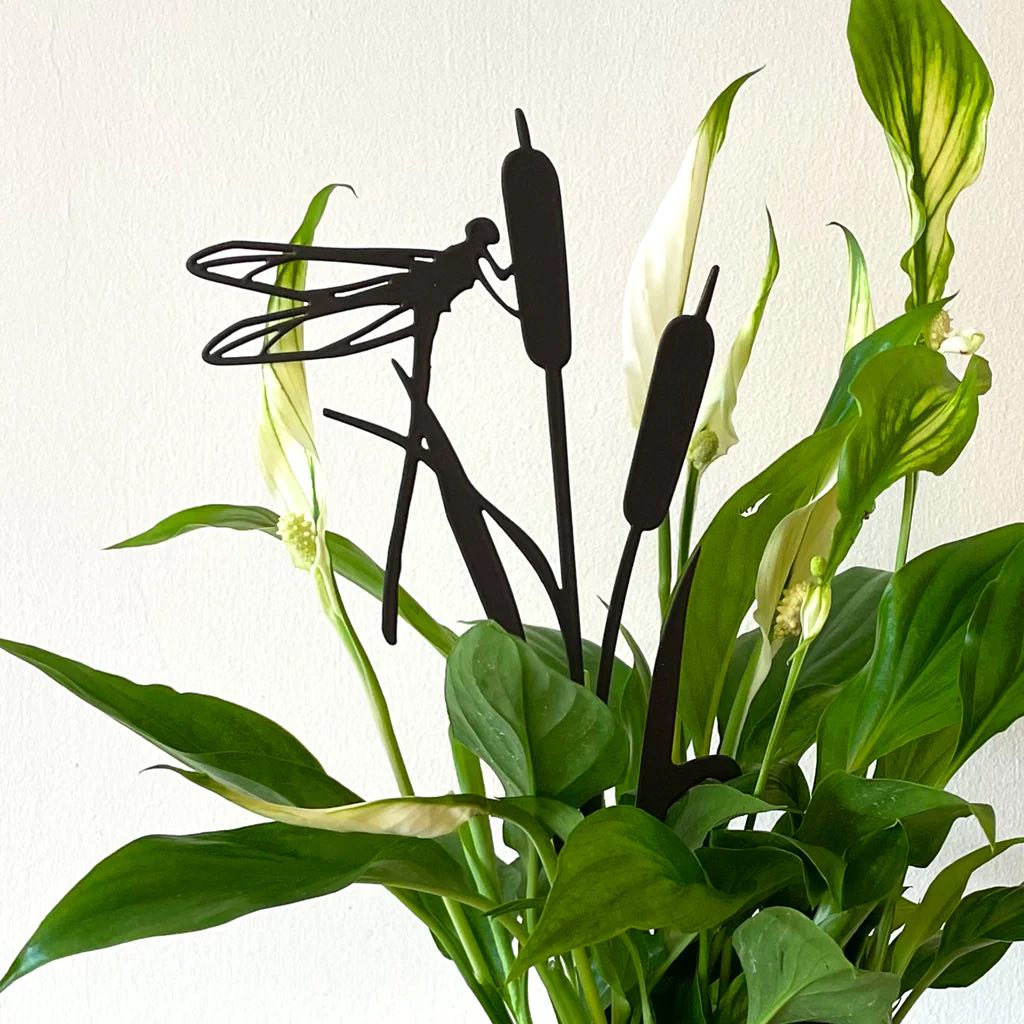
{"points": [[725, 968], [687, 514], [906, 518], [664, 566], [468, 940], [704, 970], [641, 978], [589, 985], [880, 946], [919, 990], [795, 664], [738, 711], [336, 612]]}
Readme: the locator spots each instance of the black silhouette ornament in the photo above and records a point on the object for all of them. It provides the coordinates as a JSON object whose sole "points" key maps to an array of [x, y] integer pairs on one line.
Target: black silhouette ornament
{"points": [[406, 300]]}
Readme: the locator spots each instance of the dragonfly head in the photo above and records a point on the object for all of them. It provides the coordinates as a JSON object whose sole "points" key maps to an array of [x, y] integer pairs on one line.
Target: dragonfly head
{"points": [[482, 231]]}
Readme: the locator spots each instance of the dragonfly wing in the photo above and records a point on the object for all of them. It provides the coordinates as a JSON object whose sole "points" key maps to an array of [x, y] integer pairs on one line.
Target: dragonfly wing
{"points": [[256, 339], [242, 264]]}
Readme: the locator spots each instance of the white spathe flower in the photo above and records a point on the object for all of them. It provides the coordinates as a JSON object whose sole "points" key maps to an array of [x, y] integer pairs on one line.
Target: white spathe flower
{"points": [[715, 434], [660, 272], [941, 336], [287, 451]]}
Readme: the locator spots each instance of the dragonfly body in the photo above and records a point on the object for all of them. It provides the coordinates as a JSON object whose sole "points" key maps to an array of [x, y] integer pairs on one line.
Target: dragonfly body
{"points": [[419, 286]]}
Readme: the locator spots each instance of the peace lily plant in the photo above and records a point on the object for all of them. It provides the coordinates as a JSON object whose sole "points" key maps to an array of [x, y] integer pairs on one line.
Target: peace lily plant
{"points": [[784, 895]]}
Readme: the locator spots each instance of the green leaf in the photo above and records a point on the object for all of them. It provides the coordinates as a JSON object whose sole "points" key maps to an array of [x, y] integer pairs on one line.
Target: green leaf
{"points": [[660, 272], [541, 733], [236, 746], [347, 559], [167, 885], [846, 809], [709, 805], [915, 415], [876, 866], [992, 662], [550, 647], [909, 689], [860, 321], [940, 901], [715, 432], [931, 93], [628, 699], [622, 869], [843, 647], [730, 553], [795, 972], [902, 332]]}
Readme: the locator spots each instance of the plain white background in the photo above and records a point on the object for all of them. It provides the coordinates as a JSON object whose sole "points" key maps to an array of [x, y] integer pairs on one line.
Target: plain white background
{"points": [[136, 133]]}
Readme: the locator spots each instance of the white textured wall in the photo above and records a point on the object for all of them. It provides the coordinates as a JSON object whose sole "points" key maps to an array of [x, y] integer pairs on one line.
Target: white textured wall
{"points": [[135, 133]]}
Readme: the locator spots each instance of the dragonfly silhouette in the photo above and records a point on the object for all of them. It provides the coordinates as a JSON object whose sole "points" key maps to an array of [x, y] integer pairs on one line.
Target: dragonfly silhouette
{"points": [[420, 282]]}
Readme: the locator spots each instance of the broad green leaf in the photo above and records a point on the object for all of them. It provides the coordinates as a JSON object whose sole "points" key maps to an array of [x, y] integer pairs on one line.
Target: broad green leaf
{"points": [[795, 972], [846, 809], [931, 93], [902, 332], [236, 746], [660, 272], [842, 649], [909, 688], [992, 662], [975, 938], [541, 733], [347, 559], [915, 415], [622, 869], [548, 644], [730, 553], [715, 432], [875, 866], [167, 885], [709, 805], [941, 899], [860, 321]]}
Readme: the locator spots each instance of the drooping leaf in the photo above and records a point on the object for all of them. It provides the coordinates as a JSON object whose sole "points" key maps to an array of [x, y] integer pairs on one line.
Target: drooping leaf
{"points": [[236, 746], [843, 648], [660, 272], [941, 899], [709, 805], [730, 553], [846, 809], [931, 92], [915, 415], [541, 733], [167, 885], [421, 817], [622, 869], [795, 972], [714, 433], [347, 559], [992, 661], [860, 321], [909, 689]]}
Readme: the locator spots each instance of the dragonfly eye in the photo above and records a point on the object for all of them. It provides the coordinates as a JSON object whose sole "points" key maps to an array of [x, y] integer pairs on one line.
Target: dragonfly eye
{"points": [[483, 231]]}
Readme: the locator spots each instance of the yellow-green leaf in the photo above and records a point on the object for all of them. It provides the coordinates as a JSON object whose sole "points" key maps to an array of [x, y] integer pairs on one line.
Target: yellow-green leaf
{"points": [[931, 92], [860, 321]]}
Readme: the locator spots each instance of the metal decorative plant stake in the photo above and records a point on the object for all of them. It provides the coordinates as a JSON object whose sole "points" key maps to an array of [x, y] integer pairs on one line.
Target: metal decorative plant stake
{"points": [[407, 301]]}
